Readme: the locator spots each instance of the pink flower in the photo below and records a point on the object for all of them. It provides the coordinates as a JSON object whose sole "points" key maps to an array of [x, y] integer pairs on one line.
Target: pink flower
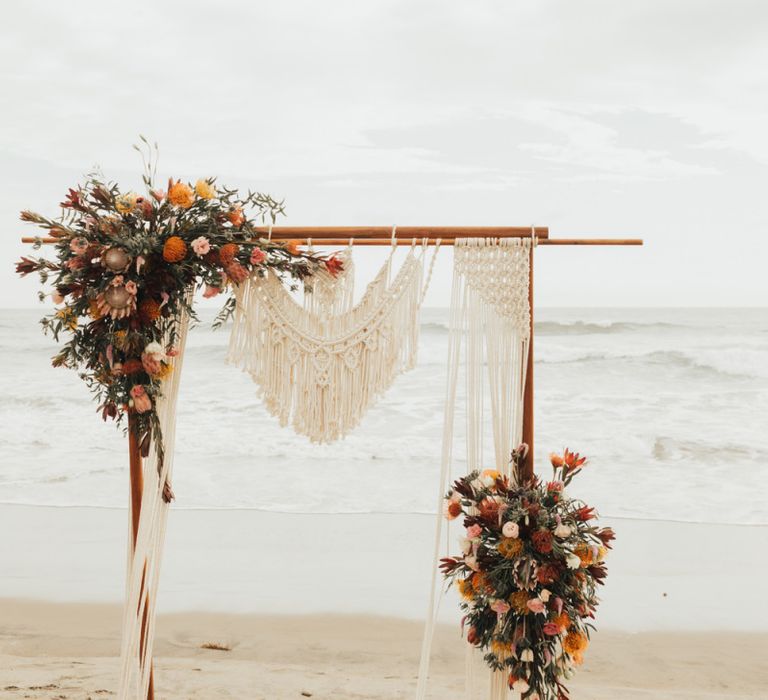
{"points": [[201, 245], [130, 287], [552, 629], [536, 605], [210, 291], [140, 260], [500, 607], [258, 256], [150, 363], [172, 352], [474, 531], [510, 530], [558, 603], [117, 281], [141, 402], [56, 297], [555, 486]]}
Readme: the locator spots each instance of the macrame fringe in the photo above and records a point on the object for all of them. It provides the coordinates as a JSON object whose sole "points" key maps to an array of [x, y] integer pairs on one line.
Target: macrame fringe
{"points": [[490, 322], [143, 569], [320, 372]]}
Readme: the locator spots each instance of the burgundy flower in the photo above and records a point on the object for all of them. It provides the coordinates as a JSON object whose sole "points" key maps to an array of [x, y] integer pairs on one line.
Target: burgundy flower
{"points": [[72, 200], [584, 513], [542, 541], [334, 265], [25, 266], [606, 536], [547, 574]]}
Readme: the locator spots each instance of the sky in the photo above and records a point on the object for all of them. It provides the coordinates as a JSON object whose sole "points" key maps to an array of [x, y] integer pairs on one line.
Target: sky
{"points": [[595, 118]]}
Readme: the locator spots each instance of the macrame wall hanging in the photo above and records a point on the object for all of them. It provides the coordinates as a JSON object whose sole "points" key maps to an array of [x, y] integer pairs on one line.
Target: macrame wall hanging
{"points": [[320, 366], [145, 552], [489, 329]]}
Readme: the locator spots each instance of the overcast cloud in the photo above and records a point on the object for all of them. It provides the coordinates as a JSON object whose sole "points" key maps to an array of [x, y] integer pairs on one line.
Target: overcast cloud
{"points": [[594, 118]]}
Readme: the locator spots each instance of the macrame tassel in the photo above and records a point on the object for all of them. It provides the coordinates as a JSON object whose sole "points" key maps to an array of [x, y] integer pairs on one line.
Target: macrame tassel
{"points": [[143, 570], [490, 322], [321, 372]]}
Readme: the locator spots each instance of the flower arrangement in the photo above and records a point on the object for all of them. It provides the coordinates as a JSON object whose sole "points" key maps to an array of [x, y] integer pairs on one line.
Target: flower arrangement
{"points": [[124, 266], [528, 573]]}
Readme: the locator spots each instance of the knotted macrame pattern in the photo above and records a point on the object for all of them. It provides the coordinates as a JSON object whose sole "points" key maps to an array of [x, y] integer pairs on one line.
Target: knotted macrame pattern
{"points": [[320, 372]]}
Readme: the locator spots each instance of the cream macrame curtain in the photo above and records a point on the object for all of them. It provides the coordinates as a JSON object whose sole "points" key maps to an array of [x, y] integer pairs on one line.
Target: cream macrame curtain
{"points": [[143, 570], [489, 329], [318, 371]]}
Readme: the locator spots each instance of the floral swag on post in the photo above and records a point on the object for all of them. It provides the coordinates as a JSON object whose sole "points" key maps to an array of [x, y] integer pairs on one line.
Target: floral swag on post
{"points": [[124, 270], [528, 573]]}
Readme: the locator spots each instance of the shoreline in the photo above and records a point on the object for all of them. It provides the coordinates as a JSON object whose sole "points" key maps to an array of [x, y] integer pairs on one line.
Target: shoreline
{"points": [[663, 576], [394, 513], [57, 650]]}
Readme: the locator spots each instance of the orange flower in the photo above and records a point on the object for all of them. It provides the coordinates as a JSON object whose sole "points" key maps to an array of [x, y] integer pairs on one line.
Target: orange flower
{"points": [[501, 649], [562, 621], [510, 547], [465, 588], [227, 253], [149, 310], [174, 250], [293, 247], [585, 554], [575, 643], [204, 189], [236, 217], [573, 460], [181, 195], [557, 460], [480, 582], [519, 601]]}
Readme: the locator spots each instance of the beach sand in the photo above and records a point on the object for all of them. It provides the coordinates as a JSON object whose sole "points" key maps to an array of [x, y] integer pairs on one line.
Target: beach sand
{"points": [[69, 651], [293, 595]]}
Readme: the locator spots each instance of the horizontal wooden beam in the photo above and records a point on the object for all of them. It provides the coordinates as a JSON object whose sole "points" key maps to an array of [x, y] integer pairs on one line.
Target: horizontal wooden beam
{"points": [[418, 239], [444, 232]]}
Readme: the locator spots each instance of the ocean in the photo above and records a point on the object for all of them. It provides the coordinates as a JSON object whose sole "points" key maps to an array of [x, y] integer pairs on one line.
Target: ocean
{"points": [[670, 405]]}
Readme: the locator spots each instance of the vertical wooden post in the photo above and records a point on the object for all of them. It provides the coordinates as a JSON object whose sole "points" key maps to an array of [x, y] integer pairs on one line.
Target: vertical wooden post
{"points": [[526, 470], [137, 488]]}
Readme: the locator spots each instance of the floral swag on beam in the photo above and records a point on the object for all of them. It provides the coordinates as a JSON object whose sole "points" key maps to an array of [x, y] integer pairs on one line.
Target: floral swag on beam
{"points": [[124, 266]]}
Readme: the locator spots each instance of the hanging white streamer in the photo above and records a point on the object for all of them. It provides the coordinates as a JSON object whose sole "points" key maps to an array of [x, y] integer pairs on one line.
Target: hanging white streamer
{"points": [[490, 321], [143, 570]]}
